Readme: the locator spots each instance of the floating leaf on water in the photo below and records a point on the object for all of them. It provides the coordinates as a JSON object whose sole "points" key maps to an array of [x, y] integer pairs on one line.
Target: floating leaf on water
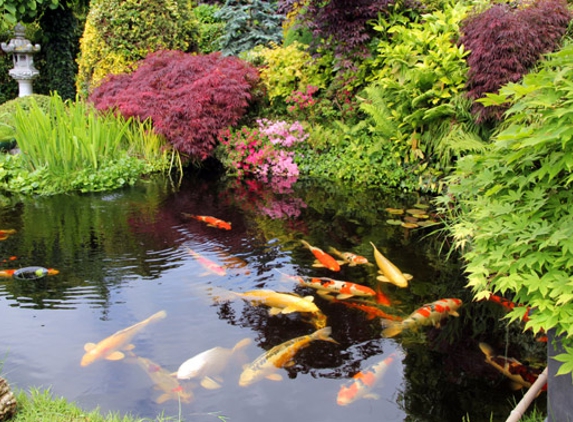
{"points": [[415, 211], [409, 225], [422, 216], [395, 211], [427, 223], [394, 222], [422, 206], [410, 219]]}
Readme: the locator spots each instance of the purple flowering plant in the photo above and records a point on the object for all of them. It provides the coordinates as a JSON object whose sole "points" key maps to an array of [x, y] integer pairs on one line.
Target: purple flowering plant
{"points": [[267, 151]]}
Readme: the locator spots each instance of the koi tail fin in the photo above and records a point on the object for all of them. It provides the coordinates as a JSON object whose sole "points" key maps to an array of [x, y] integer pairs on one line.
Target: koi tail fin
{"points": [[486, 349], [392, 329], [324, 334], [241, 344]]}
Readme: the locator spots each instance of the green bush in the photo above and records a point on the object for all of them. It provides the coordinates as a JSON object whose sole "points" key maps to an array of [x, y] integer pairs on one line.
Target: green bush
{"points": [[119, 33], [210, 28], [511, 205]]}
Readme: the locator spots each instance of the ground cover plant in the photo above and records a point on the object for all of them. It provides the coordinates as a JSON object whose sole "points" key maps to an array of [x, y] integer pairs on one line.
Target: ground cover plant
{"points": [[188, 98]]}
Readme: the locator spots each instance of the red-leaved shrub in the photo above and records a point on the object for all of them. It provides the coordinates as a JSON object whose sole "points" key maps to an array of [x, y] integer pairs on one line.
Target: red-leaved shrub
{"points": [[505, 43], [188, 97]]}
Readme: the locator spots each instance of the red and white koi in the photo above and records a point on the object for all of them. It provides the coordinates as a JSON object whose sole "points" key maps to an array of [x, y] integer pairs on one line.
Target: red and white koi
{"points": [[389, 273], [211, 221], [322, 258], [363, 382], [519, 374], [109, 348], [429, 314], [163, 381], [349, 258], [281, 356], [209, 265], [342, 289]]}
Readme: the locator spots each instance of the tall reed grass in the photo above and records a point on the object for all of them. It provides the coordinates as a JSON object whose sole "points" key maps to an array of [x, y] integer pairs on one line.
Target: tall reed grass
{"points": [[71, 136]]}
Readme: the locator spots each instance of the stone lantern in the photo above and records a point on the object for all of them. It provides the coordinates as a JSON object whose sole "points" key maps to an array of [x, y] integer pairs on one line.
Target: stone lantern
{"points": [[22, 52]]}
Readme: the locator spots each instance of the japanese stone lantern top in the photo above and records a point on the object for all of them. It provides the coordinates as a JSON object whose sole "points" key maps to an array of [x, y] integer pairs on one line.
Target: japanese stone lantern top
{"points": [[22, 52]]}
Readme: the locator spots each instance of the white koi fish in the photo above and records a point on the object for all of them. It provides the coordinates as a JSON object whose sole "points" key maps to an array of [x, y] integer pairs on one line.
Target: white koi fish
{"points": [[390, 273], [209, 364], [281, 356], [281, 303], [109, 348], [363, 382]]}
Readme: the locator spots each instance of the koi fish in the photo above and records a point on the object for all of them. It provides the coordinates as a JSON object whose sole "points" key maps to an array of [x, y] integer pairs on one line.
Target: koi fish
{"points": [[363, 382], [209, 364], [281, 303], [509, 306], [211, 221], [209, 265], [371, 311], [519, 374], [5, 233], [431, 313], [28, 273], [163, 381], [389, 272], [349, 258], [343, 289], [266, 365], [322, 258], [109, 348]]}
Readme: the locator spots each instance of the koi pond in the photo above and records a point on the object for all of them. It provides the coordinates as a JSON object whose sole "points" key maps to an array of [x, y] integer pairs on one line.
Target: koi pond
{"points": [[149, 310]]}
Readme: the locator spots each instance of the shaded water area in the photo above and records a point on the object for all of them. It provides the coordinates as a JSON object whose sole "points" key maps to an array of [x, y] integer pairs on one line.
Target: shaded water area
{"points": [[125, 255]]}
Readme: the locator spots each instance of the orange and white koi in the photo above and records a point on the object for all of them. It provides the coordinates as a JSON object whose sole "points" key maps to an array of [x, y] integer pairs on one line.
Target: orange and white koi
{"points": [[280, 303], [519, 374], [28, 273], [322, 258], [363, 382], [429, 314], [209, 364], [211, 221], [390, 273], [350, 258], [209, 265], [163, 381], [281, 356], [342, 289], [109, 348]]}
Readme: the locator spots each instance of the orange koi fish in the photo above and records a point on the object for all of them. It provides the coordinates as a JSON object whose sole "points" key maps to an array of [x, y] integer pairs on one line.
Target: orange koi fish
{"points": [[349, 258], [370, 310], [389, 272], [211, 221], [381, 298], [5, 233], [323, 259], [429, 314], [519, 374], [109, 347], [363, 382], [343, 289], [163, 381], [266, 365], [211, 266], [509, 306], [28, 273]]}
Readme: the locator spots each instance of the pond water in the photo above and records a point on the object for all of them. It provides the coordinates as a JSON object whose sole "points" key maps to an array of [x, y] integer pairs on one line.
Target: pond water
{"points": [[124, 256]]}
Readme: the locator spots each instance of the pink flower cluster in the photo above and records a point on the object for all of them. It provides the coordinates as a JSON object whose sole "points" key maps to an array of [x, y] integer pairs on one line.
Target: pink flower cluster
{"points": [[264, 152], [302, 100]]}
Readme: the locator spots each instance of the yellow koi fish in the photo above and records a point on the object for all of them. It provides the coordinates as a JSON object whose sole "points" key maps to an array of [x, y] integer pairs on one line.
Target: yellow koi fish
{"points": [[209, 364], [109, 348], [389, 272], [209, 265], [363, 382], [163, 381], [281, 356], [429, 314], [281, 303]]}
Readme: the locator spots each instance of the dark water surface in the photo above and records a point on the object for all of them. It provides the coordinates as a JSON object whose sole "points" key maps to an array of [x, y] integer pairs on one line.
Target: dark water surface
{"points": [[124, 256]]}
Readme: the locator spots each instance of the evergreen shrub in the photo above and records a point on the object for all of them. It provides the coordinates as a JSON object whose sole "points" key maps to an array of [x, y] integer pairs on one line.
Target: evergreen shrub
{"points": [[189, 98]]}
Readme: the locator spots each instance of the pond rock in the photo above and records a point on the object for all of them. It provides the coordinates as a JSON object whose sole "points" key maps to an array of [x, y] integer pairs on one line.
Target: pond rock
{"points": [[7, 401]]}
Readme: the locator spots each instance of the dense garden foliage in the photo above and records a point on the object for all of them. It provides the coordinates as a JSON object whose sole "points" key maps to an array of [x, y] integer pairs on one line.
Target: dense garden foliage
{"points": [[453, 98]]}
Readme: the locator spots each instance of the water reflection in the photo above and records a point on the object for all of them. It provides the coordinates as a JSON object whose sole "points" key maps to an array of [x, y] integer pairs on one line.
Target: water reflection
{"points": [[125, 255]]}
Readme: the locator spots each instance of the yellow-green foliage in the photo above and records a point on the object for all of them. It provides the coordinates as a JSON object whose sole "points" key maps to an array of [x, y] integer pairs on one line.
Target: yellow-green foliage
{"points": [[288, 69], [119, 33]]}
